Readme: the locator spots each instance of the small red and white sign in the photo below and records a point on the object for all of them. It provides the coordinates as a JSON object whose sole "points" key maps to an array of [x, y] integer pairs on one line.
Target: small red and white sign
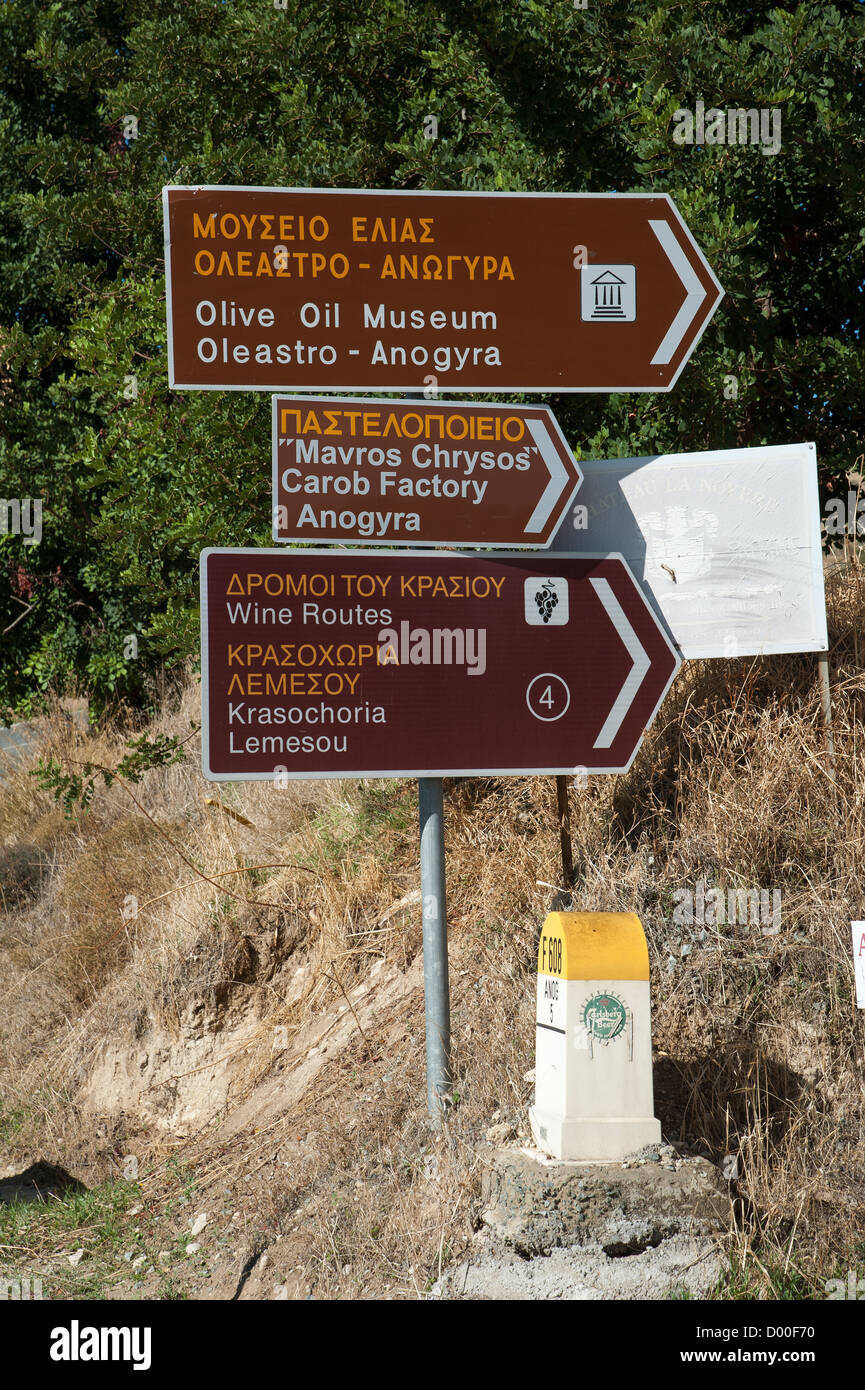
{"points": [[858, 929]]}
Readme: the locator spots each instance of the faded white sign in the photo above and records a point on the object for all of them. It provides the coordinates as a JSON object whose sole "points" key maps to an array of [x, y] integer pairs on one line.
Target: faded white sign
{"points": [[726, 544]]}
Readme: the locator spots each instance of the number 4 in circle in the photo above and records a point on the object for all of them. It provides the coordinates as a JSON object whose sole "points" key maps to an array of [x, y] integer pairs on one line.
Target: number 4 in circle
{"points": [[548, 696]]}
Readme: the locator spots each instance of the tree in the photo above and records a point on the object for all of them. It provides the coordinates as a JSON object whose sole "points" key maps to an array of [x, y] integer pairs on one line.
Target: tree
{"points": [[102, 104]]}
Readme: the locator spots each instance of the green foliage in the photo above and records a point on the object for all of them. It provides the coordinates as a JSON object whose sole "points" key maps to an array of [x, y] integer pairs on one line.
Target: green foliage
{"points": [[39, 1235], [755, 1278], [136, 479], [75, 790]]}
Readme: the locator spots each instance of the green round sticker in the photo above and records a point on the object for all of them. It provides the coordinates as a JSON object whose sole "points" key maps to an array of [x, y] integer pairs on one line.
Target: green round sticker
{"points": [[604, 1017]]}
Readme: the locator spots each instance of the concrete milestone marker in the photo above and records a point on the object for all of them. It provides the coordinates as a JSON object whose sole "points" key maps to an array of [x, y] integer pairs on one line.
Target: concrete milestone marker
{"points": [[593, 1043]]}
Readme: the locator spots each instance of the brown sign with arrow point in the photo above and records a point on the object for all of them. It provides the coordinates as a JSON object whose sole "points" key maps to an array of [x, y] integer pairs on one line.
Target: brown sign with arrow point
{"points": [[418, 473], [376, 664], [357, 290]]}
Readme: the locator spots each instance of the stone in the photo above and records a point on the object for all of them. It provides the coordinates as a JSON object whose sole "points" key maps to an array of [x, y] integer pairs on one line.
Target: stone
{"points": [[594, 1199], [577, 1230], [679, 1266], [193, 1247], [501, 1133], [198, 1225]]}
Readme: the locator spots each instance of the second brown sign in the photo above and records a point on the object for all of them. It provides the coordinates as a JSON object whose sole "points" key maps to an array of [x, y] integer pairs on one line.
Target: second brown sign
{"points": [[419, 473]]}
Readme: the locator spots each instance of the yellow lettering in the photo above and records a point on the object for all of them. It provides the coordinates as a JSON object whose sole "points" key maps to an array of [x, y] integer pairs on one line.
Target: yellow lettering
{"points": [[200, 228]]}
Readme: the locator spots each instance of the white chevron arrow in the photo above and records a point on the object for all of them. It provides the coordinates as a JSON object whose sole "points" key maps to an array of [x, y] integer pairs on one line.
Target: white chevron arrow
{"points": [[639, 658], [558, 477], [694, 292]]}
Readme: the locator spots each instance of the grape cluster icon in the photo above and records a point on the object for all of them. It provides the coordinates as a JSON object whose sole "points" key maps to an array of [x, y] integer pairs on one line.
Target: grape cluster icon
{"points": [[547, 599]]}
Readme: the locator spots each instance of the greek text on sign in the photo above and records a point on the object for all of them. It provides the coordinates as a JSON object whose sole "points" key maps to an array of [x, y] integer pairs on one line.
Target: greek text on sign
{"points": [[357, 289], [436, 474], [381, 664]]}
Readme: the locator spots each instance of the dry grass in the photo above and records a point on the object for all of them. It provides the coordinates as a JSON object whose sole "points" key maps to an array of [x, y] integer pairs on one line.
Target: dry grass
{"points": [[274, 925]]}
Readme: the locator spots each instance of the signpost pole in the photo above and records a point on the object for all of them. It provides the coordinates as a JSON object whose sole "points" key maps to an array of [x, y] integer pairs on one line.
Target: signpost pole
{"points": [[826, 703], [435, 945], [564, 814], [436, 983]]}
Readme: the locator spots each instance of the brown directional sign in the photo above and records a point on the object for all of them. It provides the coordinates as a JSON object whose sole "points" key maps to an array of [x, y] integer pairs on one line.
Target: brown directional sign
{"points": [[358, 290], [418, 473], [384, 664]]}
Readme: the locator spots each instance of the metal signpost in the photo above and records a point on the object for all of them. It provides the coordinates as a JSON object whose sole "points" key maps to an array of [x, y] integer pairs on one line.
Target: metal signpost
{"points": [[383, 663]]}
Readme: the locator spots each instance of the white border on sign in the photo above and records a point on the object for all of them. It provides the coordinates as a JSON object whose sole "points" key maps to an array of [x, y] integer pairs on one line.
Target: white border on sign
{"points": [[290, 389], [555, 434], [422, 557], [169, 318], [818, 585]]}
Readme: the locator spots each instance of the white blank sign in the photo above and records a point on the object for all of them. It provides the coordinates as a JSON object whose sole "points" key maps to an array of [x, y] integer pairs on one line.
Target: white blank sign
{"points": [[726, 544]]}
